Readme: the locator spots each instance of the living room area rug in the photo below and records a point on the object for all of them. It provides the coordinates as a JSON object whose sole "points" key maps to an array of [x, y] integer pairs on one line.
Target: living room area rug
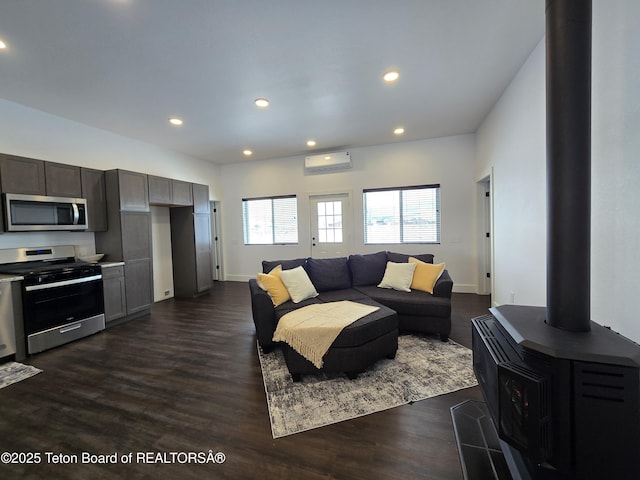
{"points": [[14, 372], [424, 367]]}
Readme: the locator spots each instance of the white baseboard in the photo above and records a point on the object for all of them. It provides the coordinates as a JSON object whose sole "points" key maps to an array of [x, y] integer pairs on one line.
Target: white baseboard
{"points": [[238, 278], [464, 288]]}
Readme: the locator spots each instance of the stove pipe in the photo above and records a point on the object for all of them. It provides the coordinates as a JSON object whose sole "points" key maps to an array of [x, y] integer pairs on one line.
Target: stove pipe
{"points": [[568, 65]]}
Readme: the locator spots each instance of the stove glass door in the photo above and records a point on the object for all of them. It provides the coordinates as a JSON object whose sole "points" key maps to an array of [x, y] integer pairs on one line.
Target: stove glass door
{"points": [[48, 306]]}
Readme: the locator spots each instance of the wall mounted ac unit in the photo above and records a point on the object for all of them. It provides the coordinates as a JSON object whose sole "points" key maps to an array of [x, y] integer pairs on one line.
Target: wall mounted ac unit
{"points": [[327, 162]]}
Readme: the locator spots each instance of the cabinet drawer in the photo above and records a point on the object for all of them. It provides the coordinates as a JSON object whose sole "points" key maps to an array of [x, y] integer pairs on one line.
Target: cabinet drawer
{"points": [[110, 272]]}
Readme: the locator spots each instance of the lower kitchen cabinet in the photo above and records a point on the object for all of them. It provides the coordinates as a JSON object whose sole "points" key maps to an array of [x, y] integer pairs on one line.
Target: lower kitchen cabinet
{"points": [[138, 278], [115, 300]]}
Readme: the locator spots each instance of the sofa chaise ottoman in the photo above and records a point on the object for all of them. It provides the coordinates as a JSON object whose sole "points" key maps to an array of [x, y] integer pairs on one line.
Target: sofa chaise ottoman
{"points": [[358, 346]]}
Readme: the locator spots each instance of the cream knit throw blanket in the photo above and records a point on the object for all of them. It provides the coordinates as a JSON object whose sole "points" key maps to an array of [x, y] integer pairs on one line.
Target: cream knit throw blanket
{"points": [[311, 330]]}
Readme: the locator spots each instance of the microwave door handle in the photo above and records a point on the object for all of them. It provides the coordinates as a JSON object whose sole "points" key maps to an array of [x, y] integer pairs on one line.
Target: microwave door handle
{"points": [[76, 213]]}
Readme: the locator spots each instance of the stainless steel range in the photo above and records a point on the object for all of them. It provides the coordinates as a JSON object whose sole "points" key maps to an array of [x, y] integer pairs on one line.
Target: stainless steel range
{"points": [[62, 299]]}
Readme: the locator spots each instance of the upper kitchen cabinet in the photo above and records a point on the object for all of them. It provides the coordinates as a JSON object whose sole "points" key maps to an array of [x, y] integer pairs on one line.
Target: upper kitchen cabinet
{"points": [[169, 192], [30, 176], [182, 193], [129, 189], [200, 198], [160, 190], [94, 191], [22, 175], [62, 180]]}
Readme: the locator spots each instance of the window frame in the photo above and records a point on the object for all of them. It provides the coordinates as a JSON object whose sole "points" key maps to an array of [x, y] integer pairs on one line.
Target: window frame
{"points": [[400, 218], [274, 220]]}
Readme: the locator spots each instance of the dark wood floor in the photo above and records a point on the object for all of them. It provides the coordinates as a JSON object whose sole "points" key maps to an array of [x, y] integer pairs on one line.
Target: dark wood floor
{"points": [[187, 379]]}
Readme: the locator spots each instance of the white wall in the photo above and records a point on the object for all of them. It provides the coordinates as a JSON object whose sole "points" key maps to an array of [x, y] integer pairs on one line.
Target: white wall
{"points": [[615, 224], [32, 133], [447, 161], [512, 141], [162, 256]]}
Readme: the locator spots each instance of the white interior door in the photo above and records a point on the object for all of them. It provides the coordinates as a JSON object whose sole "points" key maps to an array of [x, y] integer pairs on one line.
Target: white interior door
{"points": [[330, 225]]}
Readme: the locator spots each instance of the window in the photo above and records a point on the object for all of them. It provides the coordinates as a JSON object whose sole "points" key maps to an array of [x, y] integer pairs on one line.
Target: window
{"points": [[271, 220], [402, 215], [330, 222]]}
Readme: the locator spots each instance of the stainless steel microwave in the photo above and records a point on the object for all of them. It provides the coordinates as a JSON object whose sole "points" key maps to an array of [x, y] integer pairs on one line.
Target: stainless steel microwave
{"points": [[24, 213]]}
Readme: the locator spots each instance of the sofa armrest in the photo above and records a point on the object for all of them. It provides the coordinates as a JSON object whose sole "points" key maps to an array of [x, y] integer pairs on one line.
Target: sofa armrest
{"points": [[264, 316], [443, 286]]}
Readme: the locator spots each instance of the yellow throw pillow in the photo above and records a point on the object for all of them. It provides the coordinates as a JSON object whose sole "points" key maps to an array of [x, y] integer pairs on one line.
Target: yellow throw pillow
{"points": [[272, 284], [425, 275]]}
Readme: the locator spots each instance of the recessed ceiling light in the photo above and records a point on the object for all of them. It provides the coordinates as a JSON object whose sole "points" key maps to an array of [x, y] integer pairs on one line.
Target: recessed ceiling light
{"points": [[399, 131], [262, 102], [175, 121], [247, 153], [391, 76], [2, 45], [311, 143]]}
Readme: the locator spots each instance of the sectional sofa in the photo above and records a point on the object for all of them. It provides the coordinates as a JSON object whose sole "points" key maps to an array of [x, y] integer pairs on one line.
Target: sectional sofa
{"points": [[363, 278]]}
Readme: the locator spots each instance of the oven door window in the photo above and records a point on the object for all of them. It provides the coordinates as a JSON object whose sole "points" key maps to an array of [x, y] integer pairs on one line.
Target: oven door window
{"points": [[51, 307]]}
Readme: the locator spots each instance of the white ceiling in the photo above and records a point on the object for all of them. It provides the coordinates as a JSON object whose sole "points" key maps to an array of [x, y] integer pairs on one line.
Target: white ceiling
{"points": [[127, 65]]}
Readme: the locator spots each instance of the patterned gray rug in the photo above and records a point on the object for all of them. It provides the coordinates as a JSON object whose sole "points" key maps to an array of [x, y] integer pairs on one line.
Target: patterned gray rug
{"points": [[14, 372], [424, 367]]}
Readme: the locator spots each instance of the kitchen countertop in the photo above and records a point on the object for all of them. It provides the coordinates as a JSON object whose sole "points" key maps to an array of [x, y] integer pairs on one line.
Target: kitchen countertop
{"points": [[110, 264], [10, 277]]}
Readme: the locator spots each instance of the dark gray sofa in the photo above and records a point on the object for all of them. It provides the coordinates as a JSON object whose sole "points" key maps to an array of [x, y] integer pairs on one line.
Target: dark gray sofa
{"points": [[354, 278]]}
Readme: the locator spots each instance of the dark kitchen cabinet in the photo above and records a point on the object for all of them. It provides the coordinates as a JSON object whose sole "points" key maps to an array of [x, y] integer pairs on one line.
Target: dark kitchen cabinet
{"points": [[182, 192], [30, 176], [22, 175], [202, 242], [138, 279], [136, 254], [132, 190], [191, 251], [129, 236], [115, 304], [160, 190], [200, 198], [136, 235], [62, 180], [94, 191], [169, 192]]}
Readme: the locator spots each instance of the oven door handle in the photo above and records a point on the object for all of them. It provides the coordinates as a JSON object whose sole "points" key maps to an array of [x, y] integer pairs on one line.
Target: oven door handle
{"points": [[71, 328], [63, 283]]}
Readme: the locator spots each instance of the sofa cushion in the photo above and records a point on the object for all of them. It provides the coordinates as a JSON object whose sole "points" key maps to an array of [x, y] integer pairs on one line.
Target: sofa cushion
{"points": [[404, 258], [414, 303], [344, 294], [367, 269], [426, 275], [328, 274], [398, 276], [272, 284], [298, 284], [268, 265]]}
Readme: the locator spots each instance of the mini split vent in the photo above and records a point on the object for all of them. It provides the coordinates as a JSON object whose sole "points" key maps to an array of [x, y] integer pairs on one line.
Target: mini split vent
{"points": [[327, 162]]}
